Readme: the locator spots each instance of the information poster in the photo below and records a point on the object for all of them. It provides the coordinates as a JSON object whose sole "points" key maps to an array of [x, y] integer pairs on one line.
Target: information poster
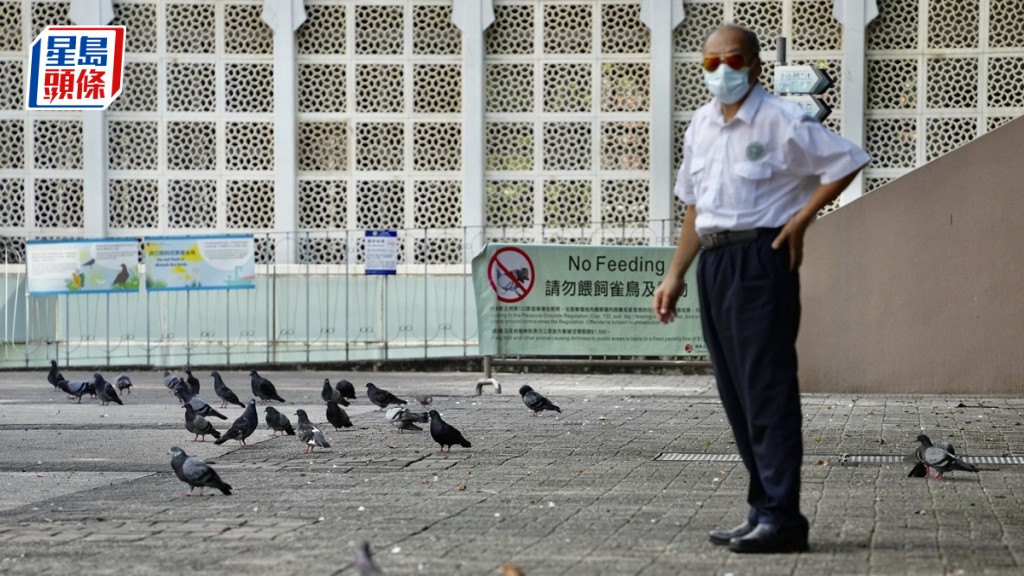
{"points": [[381, 251], [81, 266], [555, 300], [200, 262]]}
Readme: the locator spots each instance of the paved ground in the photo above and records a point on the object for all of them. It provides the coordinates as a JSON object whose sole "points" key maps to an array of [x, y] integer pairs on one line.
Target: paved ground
{"points": [[88, 489]]}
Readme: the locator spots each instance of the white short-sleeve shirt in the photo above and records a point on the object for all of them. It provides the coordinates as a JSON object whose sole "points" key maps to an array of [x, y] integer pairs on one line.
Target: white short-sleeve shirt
{"points": [[762, 167]]}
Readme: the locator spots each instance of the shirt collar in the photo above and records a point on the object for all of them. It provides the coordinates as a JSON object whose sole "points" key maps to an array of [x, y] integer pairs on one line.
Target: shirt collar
{"points": [[747, 110]]}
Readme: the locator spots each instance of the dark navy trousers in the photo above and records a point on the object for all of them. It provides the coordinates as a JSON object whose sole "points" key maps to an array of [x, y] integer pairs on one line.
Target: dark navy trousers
{"points": [[750, 311]]}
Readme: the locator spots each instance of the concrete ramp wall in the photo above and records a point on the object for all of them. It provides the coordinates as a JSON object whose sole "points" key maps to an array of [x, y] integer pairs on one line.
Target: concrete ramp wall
{"points": [[919, 286]]}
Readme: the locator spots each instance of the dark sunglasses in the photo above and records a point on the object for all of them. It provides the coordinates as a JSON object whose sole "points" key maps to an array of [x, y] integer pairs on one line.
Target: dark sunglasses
{"points": [[734, 61]]}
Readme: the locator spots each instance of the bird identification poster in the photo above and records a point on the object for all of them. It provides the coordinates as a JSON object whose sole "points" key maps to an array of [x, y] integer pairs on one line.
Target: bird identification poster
{"points": [[572, 300], [81, 266], [200, 262]]}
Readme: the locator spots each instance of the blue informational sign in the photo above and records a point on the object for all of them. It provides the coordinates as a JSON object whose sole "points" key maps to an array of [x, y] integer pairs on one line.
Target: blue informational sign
{"points": [[200, 262], [81, 266], [75, 68], [381, 251]]}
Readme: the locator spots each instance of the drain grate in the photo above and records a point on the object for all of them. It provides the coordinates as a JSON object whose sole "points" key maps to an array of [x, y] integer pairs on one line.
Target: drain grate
{"points": [[850, 459]]}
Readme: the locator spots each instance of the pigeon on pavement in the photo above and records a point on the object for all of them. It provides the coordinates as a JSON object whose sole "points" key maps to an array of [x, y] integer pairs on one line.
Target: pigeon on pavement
{"points": [[364, 560], [243, 426], [346, 388], [330, 394], [939, 459], [198, 404], [445, 434], [278, 422], [536, 401], [337, 417], [193, 382], [424, 399], [123, 383], [920, 470], [195, 472], [263, 388], [404, 419], [171, 379], [54, 376], [223, 392], [381, 397], [105, 390], [309, 434], [198, 425], [75, 388]]}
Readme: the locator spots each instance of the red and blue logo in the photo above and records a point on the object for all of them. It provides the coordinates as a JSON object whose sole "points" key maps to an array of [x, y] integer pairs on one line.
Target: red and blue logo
{"points": [[76, 68]]}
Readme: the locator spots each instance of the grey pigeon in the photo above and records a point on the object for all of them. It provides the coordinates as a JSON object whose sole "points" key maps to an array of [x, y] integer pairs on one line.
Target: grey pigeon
{"points": [[243, 426], [198, 404], [445, 434], [198, 425], [278, 422], [193, 382], [381, 397], [262, 388], [404, 419], [346, 388], [105, 390], [170, 380], [54, 376], [920, 470], [195, 472], [223, 392], [123, 383], [939, 459], [337, 417], [309, 434], [75, 388], [364, 560], [329, 394], [536, 401], [424, 399]]}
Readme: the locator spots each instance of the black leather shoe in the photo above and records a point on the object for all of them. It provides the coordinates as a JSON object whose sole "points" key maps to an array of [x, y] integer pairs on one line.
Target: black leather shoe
{"points": [[769, 539], [722, 537]]}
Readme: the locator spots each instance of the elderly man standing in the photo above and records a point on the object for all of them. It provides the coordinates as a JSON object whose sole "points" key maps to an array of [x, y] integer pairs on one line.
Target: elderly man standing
{"points": [[755, 173]]}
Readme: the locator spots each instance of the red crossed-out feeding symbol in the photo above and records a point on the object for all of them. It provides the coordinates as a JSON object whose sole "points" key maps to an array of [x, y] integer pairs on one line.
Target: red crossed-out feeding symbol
{"points": [[511, 274]]}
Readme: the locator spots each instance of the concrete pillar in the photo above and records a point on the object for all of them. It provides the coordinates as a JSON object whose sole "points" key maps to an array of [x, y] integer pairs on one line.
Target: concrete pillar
{"points": [[473, 17], [854, 15], [284, 17], [95, 157], [662, 17]]}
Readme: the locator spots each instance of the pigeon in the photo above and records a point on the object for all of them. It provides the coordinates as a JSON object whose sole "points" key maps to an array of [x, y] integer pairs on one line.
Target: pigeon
{"points": [[346, 388], [243, 426], [263, 388], [195, 472], [364, 560], [223, 392], [381, 397], [938, 459], [123, 383], [278, 422], [920, 470], [445, 434], [403, 419], [198, 425], [331, 395], [121, 277], [424, 399], [198, 404], [181, 390], [170, 380], [105, 390], [75, 388], [337, 417], [193, 382], [309, 434], [54, 376], [536, 401]]}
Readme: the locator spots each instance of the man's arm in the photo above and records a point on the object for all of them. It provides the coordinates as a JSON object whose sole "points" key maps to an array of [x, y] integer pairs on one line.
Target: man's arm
{"points": [[793, 232], [667, 294]]}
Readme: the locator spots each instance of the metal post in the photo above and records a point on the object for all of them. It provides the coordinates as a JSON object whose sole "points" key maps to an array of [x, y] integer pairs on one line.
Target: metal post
{"points": [[780, 50], [426, 312], [384, 314], [307, 303], [188, 327], [227, 328], [108, 327]]}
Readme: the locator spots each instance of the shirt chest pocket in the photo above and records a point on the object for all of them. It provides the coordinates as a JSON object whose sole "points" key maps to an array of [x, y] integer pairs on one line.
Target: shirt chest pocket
{"points": [[749, 179]]}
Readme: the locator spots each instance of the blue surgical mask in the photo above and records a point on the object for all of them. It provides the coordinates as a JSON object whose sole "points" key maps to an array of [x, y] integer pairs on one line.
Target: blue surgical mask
{"points": [[726, 84]]}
